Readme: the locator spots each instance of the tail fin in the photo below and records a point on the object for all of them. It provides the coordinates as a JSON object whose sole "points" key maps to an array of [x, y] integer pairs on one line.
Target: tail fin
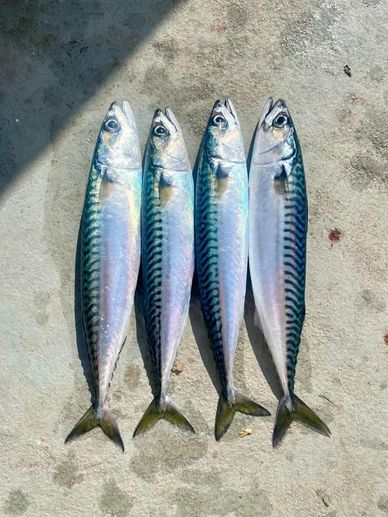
{"points": [[292, 408], [227, 410], [90, 420], [153, 414]]}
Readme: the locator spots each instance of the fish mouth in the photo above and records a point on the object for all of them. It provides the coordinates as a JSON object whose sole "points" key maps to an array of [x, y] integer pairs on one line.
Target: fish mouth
{"points": [[172, 118], [271, 110], [266, 111], [126, 107], [227, 109], [167, 119], [123, 107], [232, 110], [219, 105]]}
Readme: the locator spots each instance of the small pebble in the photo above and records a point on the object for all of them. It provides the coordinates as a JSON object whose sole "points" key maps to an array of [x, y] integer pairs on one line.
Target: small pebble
{"points": [[177, 368], [245, 432], [347, 70]]}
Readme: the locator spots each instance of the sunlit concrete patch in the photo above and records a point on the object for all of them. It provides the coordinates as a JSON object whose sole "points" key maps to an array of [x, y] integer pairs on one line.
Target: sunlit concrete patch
{"points": [[63, 65]]}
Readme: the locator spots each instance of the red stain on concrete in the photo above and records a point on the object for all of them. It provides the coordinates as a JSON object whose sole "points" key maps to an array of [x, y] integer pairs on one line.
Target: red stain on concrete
{"points": [[219, 28], [335, 235]]}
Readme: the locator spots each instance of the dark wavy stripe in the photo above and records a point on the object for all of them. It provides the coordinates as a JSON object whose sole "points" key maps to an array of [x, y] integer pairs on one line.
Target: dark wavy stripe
{"points": [[206, 248], [295, 262], [152, 232], [90, 266]]}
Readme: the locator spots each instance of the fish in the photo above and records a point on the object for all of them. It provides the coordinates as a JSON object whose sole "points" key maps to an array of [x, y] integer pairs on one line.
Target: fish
{"points": [[277, 254], [110, 257], [221, 246], [167, 258]]}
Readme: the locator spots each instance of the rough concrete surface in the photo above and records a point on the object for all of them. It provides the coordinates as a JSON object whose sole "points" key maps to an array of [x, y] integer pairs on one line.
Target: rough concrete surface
{"points": [[62, 63]]}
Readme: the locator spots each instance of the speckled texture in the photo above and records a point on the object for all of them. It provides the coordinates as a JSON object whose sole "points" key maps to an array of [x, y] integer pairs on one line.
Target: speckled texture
{"points": [[62, 64]]}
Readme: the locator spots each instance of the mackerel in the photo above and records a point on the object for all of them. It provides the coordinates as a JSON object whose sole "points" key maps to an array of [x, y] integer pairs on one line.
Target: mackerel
{"points": [[221, 238], [110, 257], [277, 254], [167, 257]]}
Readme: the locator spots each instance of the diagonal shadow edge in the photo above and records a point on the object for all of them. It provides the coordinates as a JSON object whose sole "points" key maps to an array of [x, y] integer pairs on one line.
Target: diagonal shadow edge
{"points": [[54, 59]]}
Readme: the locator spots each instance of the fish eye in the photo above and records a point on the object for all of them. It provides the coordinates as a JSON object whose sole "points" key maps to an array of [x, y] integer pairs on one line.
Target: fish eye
{"points": [[281, 120], [112, 125], [160, 131], [219, 120]]}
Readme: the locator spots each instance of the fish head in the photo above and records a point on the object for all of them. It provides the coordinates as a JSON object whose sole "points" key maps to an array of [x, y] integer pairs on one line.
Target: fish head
{"points": [[223, 138], [275, 138], [166, 145], [118, 143]]}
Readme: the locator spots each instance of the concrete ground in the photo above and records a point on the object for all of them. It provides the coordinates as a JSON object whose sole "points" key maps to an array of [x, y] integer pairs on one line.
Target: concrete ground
{"points": [[62, 63]]}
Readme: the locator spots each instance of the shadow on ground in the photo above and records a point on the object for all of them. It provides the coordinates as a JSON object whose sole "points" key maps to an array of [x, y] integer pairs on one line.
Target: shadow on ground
{"points": [[67, 50], [142, 339], [201, 336], [259, 345], [255, 335], [79, 328]]}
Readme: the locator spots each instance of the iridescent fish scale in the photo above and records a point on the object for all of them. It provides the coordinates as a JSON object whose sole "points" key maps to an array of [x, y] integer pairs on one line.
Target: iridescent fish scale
{"points": [[110, 257], [221, 235], [168, 258], [277, 254]]}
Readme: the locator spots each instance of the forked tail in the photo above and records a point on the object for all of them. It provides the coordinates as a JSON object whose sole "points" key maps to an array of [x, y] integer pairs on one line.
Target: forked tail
{"points": [[292, 408], [90, 420], [171, 413], [226, 411]]}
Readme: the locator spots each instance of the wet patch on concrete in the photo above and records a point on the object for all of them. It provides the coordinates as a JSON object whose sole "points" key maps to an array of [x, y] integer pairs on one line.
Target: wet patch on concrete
{"points": [[168, 49], [373, 128], [376, 73], [289, 457], [183, 450], [371, 3], [16, 503], [312, 29], [132, 377], [372, 300], [237, 14], [66, 473], [382, 504], [367, 172], [194, 501], [114, 501]]}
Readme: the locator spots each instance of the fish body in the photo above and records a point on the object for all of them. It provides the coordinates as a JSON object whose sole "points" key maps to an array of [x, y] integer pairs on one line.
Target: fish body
{"points": [[110, 256], [167, 257], [277, 252], [221, 242]]}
